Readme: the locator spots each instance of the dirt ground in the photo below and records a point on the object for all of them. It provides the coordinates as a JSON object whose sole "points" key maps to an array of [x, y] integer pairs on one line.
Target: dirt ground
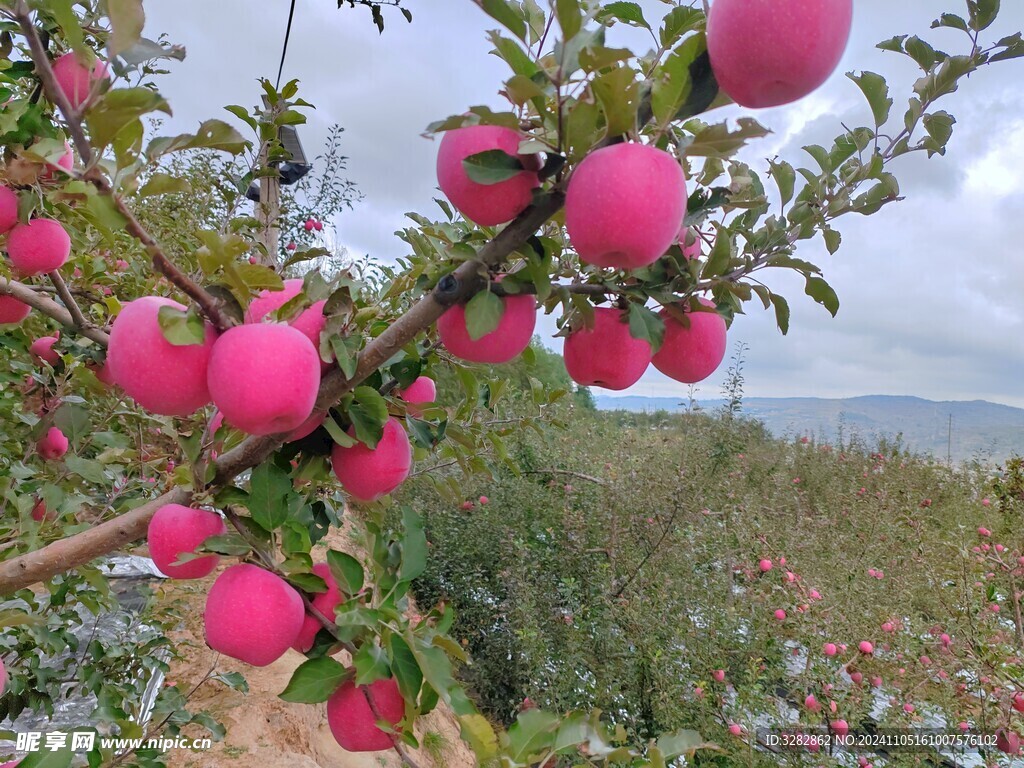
{"points": [[266, 732]]}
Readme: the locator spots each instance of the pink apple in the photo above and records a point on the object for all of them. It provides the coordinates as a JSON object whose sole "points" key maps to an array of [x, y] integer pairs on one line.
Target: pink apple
{"points": [[12, 310], [485, 204], [812, 703], [8, 209], [306, 428], [77, 81], [736, 729], [765, 565], [325, 602], [986, 502], [982, 531], [507, 341], [309, 225], [718, 675], [420, 392], [176, 530], [42, 245], [866, 647], [765, 53], [606, 355], [691, 354], [42, 350], [840, 727], [1018, 702], [161, 377], [367, 473], [352, 721], [53, 445], [483, 501], [690, 242], [780, 614], [264, 378], [908, 708], [252, 615], [830, 649], [623, 205], [888, 627], [876, 682], [857, 678], [310, 321], [65, 163]]}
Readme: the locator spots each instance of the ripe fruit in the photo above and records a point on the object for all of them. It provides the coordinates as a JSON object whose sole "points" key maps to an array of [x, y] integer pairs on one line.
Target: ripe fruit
{"points": [[1008, 741], [65, 162], [770, 52], [40, 513], [352, 720], [812, 703], [367, 473], [12, 310], [310, 321], [857, 678], [161, 377], [689, 242], [485, 204], [8, 209], [606, 355], [75, 80], [252, 615], [765, 565], [623, 205], [830, 649], [840, 727], [691, 354], [264, 378], [780, 614], [1018, 702], [175, 530], [325, 602], [53, 445], [423, 390], [736, 729], [508, 340], [718, 675], [42, 350], [865, 647], [42, 245]]}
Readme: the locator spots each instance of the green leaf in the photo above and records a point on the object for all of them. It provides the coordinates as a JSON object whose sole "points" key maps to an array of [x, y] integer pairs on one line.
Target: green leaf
{"points": [[531, 734], [682, 742], [876, 91], [118, 109], [822, 292], [678, 22], [950, 20], [414, 546], [163, 184], [46, 759], [785, 179], [269, 487], [181, 328], [212, 134], [405, 668], [506, 14], [371, 664], [982, 13], [569, 17], [719, 141], [483, 314], [85, 468], [628, 13], [347, 571], [369, 413], [646, 325], [720, 258], [127, 18], [701, 90], [833, 239], [492, 167], [230, 544], [314, 681], [478, 733], [618, 92]]}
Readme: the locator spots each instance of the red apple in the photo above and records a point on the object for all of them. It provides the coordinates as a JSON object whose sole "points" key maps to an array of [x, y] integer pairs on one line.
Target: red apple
{"points": [[830, 649], [65, 162], [421, 391], [42, 245], [507, 341], [485, 204], [40, 513], [691, 354], [8, 209], [840, 727], [765, 565], [1008, 741], [690, 242], [310, 321], [606, 355], [352, 720], [42, 350], [161, 377], [252, 615], [624, 204], [770, 52], [367, 473], [865, 647], [176, 530], [77, 81], [12, 310], [1018, 702], [325, 602], [264, 378], [53, 445]]}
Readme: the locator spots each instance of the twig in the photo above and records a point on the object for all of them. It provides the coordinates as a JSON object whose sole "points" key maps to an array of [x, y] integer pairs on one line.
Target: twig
{"points": [[81, 323], [50, 308], [570, 473]]}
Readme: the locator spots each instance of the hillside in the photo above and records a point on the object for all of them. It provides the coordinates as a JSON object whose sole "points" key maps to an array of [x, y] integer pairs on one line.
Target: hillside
{"points": [[981, 430]]}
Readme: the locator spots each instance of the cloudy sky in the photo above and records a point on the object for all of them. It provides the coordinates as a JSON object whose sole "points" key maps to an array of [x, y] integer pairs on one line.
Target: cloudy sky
{"points": [[932, 289]]}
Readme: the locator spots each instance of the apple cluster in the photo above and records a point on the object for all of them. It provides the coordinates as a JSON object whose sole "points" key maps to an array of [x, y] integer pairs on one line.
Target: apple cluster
{"points": [[626, 203]]}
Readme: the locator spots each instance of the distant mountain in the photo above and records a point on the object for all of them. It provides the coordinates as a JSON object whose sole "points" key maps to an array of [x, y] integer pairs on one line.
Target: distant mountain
{"points": [[982, 430]]}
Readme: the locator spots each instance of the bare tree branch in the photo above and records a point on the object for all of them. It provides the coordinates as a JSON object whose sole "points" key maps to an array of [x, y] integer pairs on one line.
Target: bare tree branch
{"points": [[50, 308]]}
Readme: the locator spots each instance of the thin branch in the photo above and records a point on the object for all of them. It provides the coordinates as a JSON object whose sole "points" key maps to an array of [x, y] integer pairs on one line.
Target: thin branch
{"points": [[81, 323], [210, 306], [580, 475], [50, 308]]}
